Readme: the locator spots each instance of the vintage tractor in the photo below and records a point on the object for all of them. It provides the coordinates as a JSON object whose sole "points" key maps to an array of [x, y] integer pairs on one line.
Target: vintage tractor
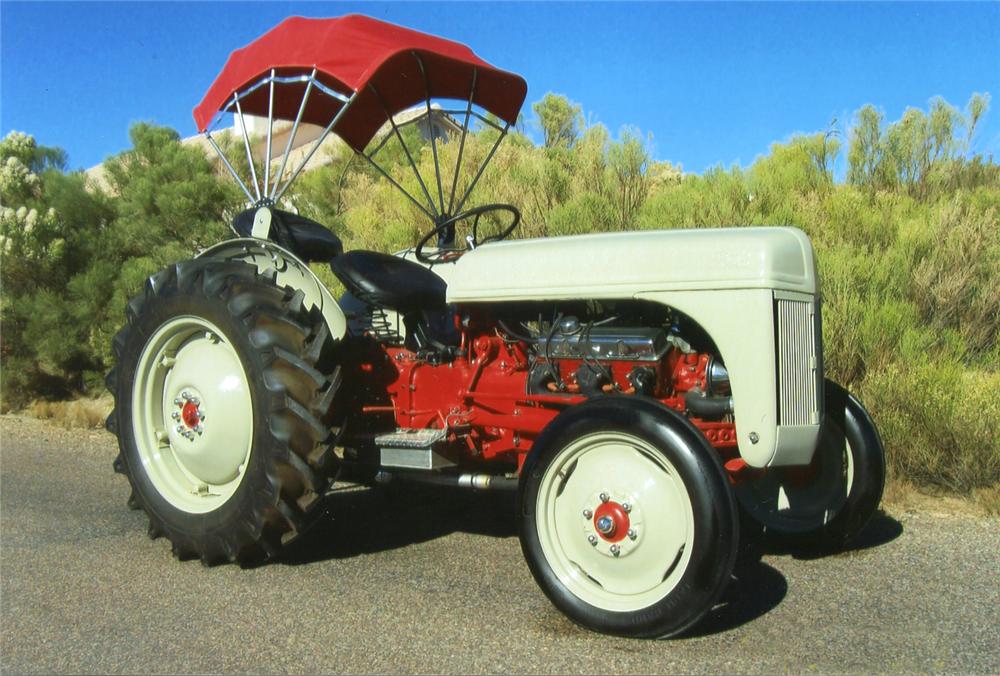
{"points": [[644, 393]]}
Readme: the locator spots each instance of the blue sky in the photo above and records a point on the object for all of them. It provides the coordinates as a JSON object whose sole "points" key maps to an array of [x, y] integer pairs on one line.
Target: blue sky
{"points": [[713, 83]]}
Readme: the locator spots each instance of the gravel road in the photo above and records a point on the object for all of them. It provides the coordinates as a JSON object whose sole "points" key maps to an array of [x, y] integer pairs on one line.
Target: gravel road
{"points": [[435, 582]]}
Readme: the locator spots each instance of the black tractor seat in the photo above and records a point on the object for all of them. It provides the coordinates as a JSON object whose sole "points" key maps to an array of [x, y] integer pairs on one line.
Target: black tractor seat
{"points": [[390, 281], [305, 238]]}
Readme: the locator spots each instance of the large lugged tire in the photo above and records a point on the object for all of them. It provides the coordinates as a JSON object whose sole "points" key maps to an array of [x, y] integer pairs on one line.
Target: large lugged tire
{"points": [[220, 403], [626, 518], [826, 504]]}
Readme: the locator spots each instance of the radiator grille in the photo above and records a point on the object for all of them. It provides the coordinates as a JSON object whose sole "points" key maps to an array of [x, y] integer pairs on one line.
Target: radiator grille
{"points": [[798, 365]]}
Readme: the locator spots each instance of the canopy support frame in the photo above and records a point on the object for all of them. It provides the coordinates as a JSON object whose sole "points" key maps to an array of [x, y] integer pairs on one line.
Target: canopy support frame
{"points": [[406, 150], [269, 194]]}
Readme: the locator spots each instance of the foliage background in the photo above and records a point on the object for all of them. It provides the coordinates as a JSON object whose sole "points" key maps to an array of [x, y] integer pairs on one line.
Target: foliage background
{"points": [[908, 247]]}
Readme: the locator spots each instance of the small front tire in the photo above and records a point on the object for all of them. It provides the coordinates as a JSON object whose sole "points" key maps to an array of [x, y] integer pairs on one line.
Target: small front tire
{"points": [[626, 518], [826, 504]]}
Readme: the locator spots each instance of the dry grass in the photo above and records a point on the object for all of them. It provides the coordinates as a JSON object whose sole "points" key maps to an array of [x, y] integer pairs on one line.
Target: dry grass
{"points": [[903, 496], [75, 414]]}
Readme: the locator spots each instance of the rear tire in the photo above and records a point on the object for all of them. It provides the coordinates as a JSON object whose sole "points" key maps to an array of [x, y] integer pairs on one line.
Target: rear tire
{"points": [[826, 504], [219, 408], [643, 471]]}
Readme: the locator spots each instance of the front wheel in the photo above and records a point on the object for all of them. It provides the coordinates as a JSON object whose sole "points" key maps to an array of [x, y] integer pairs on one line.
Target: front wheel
{"points": [[827, 503], [626, 517]]}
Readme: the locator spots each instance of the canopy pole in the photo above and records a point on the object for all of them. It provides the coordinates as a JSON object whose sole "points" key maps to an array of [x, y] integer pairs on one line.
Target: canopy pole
{"points": [[398, 186], [413, 165], [270, 127], [316, 145], [461, 145], [430, 127], [295, 129], [482, 168], [232, 171], [246, 144]]}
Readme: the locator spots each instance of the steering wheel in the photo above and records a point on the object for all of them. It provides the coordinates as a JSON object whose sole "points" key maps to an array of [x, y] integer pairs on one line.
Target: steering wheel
{"points": [[445, 254]]}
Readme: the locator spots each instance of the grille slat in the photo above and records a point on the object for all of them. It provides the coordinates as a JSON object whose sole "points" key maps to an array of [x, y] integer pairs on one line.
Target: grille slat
{"points": [[797, 363]]}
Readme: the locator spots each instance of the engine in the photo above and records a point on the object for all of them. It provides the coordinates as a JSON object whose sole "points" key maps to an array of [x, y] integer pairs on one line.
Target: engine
{"points": [[490, 385]]}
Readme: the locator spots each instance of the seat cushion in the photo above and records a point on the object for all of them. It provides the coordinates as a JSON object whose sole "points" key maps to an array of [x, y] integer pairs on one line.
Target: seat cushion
{"points": [[389, 281], [305, 238]]}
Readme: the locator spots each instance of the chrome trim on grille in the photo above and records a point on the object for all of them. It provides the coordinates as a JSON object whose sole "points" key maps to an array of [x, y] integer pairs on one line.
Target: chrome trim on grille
{"points": [[799, 370]]}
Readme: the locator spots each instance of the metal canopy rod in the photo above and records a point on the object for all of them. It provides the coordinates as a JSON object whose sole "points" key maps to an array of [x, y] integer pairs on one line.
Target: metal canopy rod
{"points": [[482, 118], [270, 127], [246, 144], [482, 167], [430, 127], [316, 145], [398, 186], [232, 171], [413, 165], [291, 79], [295, 128], [461, 145]]}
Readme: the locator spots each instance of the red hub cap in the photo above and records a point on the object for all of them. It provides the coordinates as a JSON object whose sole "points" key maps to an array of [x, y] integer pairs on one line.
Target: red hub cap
{"points": [[189, 414], [611, 521]]}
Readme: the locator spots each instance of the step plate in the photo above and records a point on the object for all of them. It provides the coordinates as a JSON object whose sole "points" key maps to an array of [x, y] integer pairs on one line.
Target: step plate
{"points": [[412, 449]]}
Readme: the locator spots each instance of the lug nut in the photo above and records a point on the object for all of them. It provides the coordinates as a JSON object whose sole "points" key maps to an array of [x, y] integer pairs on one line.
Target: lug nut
{"points": [[616, 550], [592, 539], [587, 514], [177, 401], [194, 400], [180, 428], [185, 395], [631, 534], [627, 507], [605, 497], [175, 415]]}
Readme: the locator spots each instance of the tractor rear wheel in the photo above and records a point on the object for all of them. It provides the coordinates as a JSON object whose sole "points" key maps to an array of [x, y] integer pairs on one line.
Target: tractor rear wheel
{"points": [[627, 520], [220, 399]]}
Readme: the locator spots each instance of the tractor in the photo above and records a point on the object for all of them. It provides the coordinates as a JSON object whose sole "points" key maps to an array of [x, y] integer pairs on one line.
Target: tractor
{"points": [[646, 395]]}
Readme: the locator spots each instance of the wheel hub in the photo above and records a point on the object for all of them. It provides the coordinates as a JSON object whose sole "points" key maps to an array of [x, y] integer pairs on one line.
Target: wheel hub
{"points": [[611, 521], [612, 525], [191, 415]]}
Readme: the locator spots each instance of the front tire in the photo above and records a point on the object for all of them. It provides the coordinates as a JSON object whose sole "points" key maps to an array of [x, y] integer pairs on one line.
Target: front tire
{"points": [[827, 503], [626, 518], [219, 403]]}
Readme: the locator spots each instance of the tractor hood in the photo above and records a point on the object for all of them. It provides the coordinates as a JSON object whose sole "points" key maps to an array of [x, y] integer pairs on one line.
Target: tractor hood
{"points": [[617, 265]]}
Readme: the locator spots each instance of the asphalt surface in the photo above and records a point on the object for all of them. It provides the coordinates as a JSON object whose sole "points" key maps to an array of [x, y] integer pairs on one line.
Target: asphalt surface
{"points": [[435, 582]]}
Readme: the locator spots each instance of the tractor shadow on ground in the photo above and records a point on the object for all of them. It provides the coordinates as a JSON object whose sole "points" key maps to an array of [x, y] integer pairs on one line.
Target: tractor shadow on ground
{"points": [[755, 590], [758, 588], [881, 530], [367, 520]]}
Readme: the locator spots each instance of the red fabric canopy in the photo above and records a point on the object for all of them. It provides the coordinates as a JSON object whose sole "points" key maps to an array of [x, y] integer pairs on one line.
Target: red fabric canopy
{"points": [[350, 53]]}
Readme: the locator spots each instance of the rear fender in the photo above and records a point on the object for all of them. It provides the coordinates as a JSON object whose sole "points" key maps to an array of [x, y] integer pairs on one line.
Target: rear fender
{"points": [[291, 272]]}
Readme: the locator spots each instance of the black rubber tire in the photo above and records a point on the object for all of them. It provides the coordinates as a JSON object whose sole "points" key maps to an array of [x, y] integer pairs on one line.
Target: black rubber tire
{"points": [[713, 507], [845, 418], [280, 345]]}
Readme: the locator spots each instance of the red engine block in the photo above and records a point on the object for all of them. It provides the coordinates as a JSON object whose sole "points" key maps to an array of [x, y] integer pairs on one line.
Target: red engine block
{"points": [[483, 399]]}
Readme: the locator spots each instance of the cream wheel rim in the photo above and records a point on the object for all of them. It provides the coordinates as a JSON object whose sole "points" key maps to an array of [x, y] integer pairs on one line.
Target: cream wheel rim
{"points": [[192, 414], [615, 522]]}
